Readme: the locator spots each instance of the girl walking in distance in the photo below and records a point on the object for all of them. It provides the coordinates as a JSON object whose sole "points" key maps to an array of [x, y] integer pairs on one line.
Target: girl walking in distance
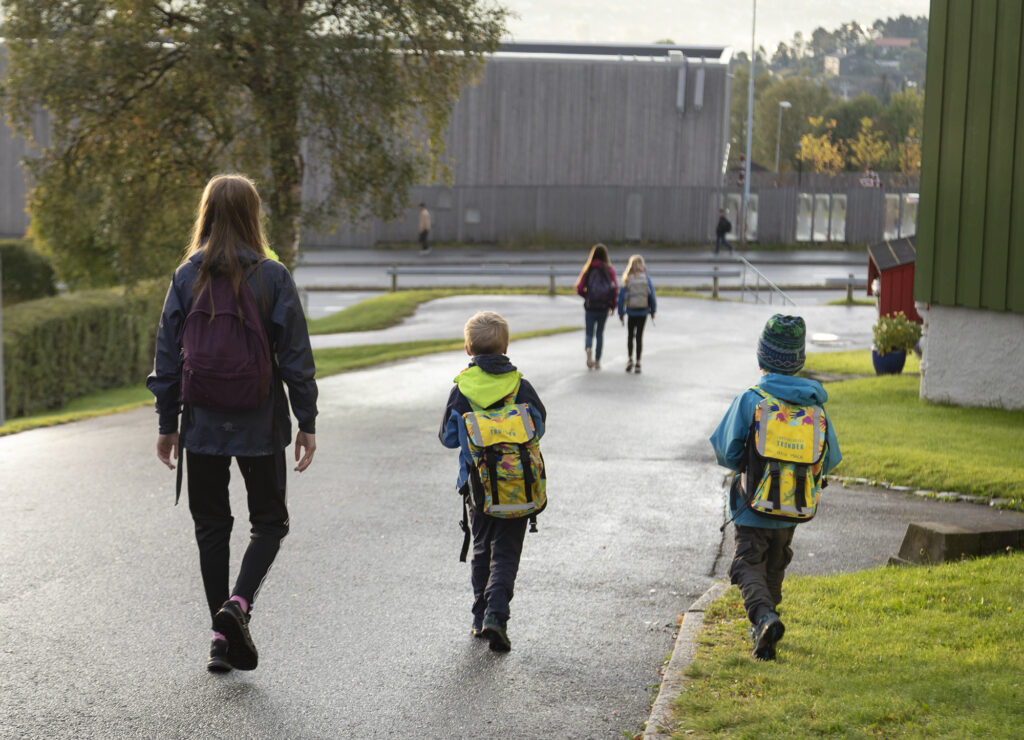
{"points": [[637, 301], [232, 336], [597, 285]]}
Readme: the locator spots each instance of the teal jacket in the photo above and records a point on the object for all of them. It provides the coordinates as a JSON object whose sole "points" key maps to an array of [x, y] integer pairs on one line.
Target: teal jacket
{"points": [[730, 438]]}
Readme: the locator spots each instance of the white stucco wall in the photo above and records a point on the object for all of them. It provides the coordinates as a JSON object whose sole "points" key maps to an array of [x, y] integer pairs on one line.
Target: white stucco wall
{"points": [[972, 357]]}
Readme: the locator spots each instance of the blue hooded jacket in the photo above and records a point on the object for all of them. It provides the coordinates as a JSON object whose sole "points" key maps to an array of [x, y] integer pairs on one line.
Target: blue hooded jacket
{"points": [[652, 303], [487, 380], [730, 438]]}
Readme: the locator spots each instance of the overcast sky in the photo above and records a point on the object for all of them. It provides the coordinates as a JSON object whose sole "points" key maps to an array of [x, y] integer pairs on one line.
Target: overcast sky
{"points": [[697, 22]]}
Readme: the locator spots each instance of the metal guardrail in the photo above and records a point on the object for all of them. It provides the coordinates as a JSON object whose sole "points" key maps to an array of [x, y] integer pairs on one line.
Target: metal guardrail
{"points": [[769, 285], [551, 272], [850, 283]]}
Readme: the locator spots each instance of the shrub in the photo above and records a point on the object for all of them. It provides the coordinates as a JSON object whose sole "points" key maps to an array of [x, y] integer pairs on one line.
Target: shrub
{"points": [[56, 349], [26, 273]]}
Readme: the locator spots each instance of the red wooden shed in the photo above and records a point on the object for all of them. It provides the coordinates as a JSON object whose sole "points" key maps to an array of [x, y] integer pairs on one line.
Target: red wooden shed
{"points": [[892, 262]]}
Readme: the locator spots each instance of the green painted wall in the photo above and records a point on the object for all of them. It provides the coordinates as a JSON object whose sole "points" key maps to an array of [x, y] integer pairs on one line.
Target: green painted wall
{"points": [[970, 234]]}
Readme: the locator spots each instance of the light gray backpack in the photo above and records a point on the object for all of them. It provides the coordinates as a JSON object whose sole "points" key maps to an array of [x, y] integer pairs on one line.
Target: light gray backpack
{"points": [[638, 292]]}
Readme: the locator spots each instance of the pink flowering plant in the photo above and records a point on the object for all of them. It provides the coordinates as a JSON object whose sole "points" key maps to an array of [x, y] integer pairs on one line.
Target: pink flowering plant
{"points": [[896, 332]]}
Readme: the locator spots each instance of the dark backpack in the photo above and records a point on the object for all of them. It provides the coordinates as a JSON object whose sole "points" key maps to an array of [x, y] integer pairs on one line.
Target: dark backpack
{"points": [[226, 356], [600, 291]]}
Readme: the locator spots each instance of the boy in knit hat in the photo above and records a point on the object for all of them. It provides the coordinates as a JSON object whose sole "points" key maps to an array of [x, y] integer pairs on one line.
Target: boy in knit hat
{"points": [[763, 545]]}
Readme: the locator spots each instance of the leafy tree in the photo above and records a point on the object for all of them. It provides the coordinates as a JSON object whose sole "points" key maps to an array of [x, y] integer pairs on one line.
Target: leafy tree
{"points": [[848, 114], [806, 99], [910, 154], [821, 152], [869, 148], [904, 113], [148, 98], [738, 106]]}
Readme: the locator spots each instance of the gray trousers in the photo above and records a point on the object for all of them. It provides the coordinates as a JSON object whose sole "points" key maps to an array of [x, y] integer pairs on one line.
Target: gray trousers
{"points": [[758, 567]]}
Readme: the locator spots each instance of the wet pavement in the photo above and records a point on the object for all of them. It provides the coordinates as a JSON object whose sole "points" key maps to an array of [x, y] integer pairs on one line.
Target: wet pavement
{"points": [[363, 623]]}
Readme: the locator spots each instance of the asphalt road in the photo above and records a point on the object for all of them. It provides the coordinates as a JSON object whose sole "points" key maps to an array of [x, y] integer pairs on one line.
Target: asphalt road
{"points": [[363, 623]]}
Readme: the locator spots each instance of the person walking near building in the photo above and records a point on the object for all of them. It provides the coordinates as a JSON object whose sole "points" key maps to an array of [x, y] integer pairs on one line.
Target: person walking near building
{"points": [[597, 284], [424, 229], [723, 228], [232, 335], [637, 300]]}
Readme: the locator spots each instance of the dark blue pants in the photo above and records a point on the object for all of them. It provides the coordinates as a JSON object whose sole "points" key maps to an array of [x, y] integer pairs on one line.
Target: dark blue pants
{"points": [[497, 547], [719, 241], [595, 325], [265, 481]]}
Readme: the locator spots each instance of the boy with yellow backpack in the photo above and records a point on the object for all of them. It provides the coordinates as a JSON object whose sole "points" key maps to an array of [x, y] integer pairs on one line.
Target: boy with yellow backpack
{"points": [[496, 420], [778, 439]]}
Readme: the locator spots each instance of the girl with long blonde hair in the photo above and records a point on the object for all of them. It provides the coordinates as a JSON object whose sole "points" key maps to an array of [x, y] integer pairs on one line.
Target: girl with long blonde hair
{"points": [[637, 300], [258, 316]]}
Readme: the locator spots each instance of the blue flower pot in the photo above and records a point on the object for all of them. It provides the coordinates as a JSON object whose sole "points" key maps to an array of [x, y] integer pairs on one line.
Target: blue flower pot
{"points": [[891, 363]]}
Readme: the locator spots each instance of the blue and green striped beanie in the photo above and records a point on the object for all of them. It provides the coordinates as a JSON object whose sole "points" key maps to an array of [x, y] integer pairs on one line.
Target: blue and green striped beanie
{"points": [[781, 347]]}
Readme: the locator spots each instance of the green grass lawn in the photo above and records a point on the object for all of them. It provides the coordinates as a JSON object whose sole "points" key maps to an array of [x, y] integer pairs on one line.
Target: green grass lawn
{"points": [[329, 361], [886, 432], [889, 652]]}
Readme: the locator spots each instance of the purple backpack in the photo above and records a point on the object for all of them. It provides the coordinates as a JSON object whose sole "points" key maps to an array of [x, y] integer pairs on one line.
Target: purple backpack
{"points": [[226, 357]]}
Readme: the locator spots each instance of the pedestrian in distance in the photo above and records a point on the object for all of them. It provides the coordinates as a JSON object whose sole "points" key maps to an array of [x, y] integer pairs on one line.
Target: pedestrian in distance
{"points": [[723, 228], [424, 229], [232, 335], [599, 287], [777, 438], [637, 301], [495, 419]]}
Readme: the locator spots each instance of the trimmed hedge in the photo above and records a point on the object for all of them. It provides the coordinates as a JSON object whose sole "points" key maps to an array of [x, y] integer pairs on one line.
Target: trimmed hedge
{"points": [[56, 349], [26, 273]]}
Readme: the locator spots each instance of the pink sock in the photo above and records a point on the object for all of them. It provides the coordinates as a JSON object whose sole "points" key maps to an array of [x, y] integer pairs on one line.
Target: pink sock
{"points": [[219, 636], [242, 602]]}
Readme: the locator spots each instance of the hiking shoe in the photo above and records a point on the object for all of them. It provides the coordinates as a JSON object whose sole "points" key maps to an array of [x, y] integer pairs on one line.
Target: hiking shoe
{"points": [[233, 623], [590, 358], [218, 662], [636, 368], [494, 631], [765, 634], [597, 364], [629, 365]]}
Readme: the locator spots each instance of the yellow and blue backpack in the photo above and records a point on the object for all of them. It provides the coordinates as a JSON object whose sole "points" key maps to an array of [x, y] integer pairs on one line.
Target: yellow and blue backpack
{"points": [[786, 448], [506, 472]]}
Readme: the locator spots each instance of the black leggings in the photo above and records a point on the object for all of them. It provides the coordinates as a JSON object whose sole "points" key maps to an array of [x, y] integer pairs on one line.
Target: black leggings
{"points": [[636, 326], [265, 479]]}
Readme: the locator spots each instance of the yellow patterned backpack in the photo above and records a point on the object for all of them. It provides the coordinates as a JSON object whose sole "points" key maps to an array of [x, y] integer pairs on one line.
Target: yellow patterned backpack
{"points": [[786, 447], [506, 475]]}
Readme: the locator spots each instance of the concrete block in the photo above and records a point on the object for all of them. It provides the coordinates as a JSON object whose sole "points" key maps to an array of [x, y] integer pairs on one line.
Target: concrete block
{"points": [[937, 542]]}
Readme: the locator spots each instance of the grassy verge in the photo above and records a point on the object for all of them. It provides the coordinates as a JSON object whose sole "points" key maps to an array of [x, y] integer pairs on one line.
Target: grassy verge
{"points": [[855, 362], [389, 309], [334, 360], [889, 652], [854, 302], [329, 361], [887, 432]]}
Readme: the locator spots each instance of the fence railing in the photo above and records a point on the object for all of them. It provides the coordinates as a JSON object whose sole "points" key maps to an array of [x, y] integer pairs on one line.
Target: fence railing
{"points": [[551, 273], [759, 277]]}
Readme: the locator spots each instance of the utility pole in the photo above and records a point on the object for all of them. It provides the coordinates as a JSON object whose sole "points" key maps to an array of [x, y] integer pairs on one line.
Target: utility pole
{"points": [[750, 132], [3, 408]]}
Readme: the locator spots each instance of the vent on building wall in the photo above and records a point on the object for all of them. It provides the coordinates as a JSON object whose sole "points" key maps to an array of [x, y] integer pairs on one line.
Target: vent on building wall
{"points": [[674, 55]]}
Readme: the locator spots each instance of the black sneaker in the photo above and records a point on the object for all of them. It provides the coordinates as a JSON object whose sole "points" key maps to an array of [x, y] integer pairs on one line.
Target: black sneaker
{"points": [[477, 630], [765, 634], [494, 631], [233, 623], [218, 662]]}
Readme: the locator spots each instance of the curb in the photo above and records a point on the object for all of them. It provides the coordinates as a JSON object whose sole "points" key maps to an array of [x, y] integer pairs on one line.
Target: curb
{"points": [[674, 680], [921, 493]]}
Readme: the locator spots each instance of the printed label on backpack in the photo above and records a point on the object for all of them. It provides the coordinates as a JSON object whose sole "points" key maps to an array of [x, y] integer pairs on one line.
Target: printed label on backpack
{"points": [[506, 475], [790, 440]]}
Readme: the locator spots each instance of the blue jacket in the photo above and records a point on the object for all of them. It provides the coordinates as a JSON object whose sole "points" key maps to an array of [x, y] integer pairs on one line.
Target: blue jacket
{"points": [[730, 438], [652, 306], [487, 380], [262, 431]]}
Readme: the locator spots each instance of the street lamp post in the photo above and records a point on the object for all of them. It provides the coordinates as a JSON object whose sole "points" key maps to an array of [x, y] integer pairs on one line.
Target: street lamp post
{"points": [[750, 129], [783, 104]]}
